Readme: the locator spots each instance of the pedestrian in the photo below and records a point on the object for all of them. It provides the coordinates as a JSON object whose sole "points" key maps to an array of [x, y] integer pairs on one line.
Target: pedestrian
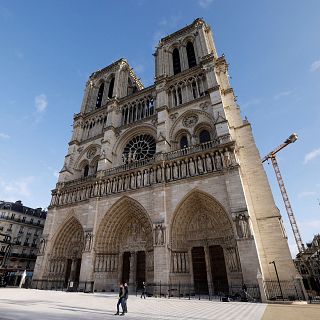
{"points": [[125, 298], [120, 300], [143, 293]]}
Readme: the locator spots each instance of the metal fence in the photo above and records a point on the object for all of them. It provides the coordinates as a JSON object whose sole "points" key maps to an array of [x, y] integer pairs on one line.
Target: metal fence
{"points": [[186, 291], [284, 290], [82, 286], [163, 290]]}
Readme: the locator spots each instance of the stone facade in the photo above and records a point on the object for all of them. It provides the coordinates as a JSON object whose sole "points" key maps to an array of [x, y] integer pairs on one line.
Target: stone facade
{"points": [[164, 183]]}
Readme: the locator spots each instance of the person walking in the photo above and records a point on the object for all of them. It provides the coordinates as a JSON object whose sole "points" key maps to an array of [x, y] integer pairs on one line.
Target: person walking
{"points": [[125, 298], [120, 301], [143, 293]]}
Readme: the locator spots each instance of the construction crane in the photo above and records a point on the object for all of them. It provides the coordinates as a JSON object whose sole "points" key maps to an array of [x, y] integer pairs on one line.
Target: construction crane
{"points": [[272, 155]]}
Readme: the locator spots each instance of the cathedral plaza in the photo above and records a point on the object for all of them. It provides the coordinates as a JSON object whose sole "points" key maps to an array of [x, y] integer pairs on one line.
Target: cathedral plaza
{"points": [[28, 304], [162, 200]]}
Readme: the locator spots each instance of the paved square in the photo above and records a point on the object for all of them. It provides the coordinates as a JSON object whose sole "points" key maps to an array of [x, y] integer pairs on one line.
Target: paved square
{"points": [[23, 304]]}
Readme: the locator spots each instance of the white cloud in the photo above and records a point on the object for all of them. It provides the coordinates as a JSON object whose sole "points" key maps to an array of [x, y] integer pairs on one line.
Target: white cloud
{"points": [[315, 66], [4, 136], [138, 68], [252, 102], [311, 224], [41, 103], [311, 155], [204, 3], [304, 194], [15, 189], [282, 94]]}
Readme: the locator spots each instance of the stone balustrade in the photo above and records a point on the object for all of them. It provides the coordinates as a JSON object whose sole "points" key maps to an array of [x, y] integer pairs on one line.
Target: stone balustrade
{"points": [[207, 158]]}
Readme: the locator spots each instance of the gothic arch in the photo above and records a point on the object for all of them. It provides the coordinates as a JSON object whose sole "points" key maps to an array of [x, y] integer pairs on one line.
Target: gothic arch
{"points": [[128, 135], [203, 117], [68, 241], [84, 155], [200, 219], [125, 226]]}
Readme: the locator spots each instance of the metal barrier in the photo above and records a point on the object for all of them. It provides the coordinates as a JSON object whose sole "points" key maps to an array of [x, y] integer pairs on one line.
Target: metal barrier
{"points": [[71, 286], [199, 292], [283, 290]]}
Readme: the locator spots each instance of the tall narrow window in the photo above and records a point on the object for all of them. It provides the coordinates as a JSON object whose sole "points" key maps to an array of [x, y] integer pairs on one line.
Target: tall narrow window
{"points": [[86, 171], [176, 61], [179, 95], [191, 55], [100, 95], [204, 136], [110, 91], [183, 142]]}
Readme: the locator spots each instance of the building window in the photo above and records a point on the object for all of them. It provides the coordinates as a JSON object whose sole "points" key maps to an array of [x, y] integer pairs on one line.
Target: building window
{"points": [[100, 95], [3, 248], [183, 142], [110, 91], [31, 221], [140, 147], [12, 216], [10, 227], [24, 219], [191, 55], [176, 61], [204, 136], [86, 170]]}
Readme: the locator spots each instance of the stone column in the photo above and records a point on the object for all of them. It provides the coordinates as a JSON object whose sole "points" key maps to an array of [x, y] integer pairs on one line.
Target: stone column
{"points": [[208, 267], [133, 269]]}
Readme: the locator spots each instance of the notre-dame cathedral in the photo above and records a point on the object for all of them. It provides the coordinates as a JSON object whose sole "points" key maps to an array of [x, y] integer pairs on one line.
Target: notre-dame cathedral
{"points": [[164, 183]]}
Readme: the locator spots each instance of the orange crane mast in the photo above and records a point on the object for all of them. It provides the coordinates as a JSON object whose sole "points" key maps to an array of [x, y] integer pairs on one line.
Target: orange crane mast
{"points": [[272, 155]]}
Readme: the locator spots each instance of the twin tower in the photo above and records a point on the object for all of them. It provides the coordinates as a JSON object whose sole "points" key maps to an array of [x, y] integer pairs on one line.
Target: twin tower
{"points": [[163, 183]]}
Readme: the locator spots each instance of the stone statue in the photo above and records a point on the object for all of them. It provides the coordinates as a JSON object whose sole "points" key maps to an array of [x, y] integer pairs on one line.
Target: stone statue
{"points": [[208, 163], [218, 161], [227, 158], [200, 165], [175, 171], [191, 167], [159, 236], [88, 241], [132, 181], [145, 177], [151, 176], [159, 174], [183, 169], [42, 246], [243, 227], [168, 175], [138, 179]]}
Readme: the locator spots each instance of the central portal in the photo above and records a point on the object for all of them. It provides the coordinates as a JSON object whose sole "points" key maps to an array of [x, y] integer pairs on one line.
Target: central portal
{"points": [[141, 268], [199, 270]]}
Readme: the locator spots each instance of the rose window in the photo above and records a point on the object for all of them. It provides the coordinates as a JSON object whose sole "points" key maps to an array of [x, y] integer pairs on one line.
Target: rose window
{"points": [[140, 147]]}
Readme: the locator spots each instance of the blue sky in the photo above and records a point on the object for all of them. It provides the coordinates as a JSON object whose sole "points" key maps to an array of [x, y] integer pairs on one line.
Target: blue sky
{"points": [[49, 48]]}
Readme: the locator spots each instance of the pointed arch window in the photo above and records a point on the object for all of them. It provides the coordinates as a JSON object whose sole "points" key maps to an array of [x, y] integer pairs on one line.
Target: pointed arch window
{"points": [[192, 62], [176, 61], [183, 142], [110, 91], [86, 171], [100, 95], [204, 136]]}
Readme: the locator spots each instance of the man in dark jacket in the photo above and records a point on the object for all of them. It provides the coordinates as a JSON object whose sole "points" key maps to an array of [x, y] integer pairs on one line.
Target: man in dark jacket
{"points": [[120, 300], [125, 298]]}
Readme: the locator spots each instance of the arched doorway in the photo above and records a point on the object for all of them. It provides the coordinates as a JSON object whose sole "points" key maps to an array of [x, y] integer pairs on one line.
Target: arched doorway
{"points": [[65, 258], [203, 247], [124, 246]]}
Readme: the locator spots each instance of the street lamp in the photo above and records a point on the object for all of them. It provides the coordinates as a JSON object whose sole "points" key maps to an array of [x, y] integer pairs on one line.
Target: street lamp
{"points": [[275, 268]]}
